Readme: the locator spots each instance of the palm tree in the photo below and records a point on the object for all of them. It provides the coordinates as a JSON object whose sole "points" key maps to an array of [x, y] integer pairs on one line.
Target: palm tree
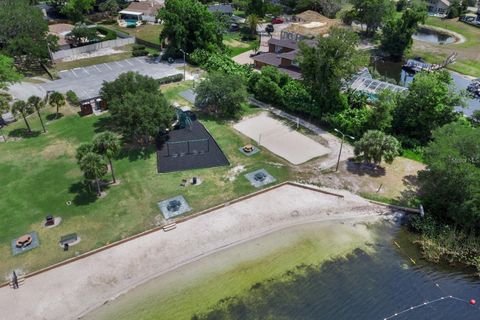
{"points": [[22, 108], [57, 99], [252, 21], [37, 104], [5, 99], [82, 150], [108, 145], [94, 167]]}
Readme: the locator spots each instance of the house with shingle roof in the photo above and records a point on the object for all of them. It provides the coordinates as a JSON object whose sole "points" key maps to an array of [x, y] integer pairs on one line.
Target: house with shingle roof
{"points": [[438, 7]]}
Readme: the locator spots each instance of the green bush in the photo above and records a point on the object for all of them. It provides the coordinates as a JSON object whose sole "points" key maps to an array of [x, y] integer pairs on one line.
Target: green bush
{"points": [[109, 34], [219, 62], [175, 78], [138, 47], [72, 98], [139, 53]]}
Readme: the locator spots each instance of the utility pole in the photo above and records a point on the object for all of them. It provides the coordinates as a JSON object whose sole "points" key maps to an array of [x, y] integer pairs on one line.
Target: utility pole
{"points": [[341, 146], [184, 65]]}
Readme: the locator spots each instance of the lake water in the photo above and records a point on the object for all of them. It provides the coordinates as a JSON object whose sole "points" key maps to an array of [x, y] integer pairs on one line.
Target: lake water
{"points": [[433, 36], [375, 281], [393, 70]]}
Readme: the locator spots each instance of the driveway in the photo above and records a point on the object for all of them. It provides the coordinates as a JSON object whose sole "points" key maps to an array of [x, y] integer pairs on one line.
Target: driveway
{"points": [[87, 81]]}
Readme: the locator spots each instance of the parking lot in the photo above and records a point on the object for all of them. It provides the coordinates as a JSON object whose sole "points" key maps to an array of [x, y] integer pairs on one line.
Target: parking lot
{"points": [[87, 81]]}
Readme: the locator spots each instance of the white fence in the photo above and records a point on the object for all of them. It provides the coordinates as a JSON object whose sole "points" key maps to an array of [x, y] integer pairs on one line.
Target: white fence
{"points": [[92, 47]]}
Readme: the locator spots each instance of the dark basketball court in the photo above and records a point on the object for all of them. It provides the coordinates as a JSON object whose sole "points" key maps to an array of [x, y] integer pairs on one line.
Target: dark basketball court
{"points": [[189, 148]]}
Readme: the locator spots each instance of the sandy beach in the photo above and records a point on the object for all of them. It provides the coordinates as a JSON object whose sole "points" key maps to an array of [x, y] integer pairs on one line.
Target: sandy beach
{"points": [[73, 290]]}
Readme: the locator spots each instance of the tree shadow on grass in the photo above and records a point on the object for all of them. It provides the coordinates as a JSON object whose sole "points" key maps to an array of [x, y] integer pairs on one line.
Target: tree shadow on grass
{"points": [[137, 152], [83, 195], [54, 116], [23, 133], [361, 169], [409, 196], [104, 124]]}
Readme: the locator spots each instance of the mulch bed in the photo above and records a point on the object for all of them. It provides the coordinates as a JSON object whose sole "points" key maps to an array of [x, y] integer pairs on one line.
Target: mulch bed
{"points": [[180, 161]]}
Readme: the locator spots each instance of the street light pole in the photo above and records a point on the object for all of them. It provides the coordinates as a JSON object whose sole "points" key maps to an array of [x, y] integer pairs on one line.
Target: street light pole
{"points": [[341, 146]]}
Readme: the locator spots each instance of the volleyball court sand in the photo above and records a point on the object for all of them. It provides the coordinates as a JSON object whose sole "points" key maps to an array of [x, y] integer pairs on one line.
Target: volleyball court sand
{"points": [[280, 139]]}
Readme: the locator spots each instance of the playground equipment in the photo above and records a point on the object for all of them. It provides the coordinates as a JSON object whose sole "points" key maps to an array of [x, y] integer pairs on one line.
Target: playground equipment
{"points": [[183, 120]]}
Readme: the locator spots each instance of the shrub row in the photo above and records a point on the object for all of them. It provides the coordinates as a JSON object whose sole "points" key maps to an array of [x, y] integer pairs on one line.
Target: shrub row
{"points": [[139, 53], [175, 78], [109, 34]]}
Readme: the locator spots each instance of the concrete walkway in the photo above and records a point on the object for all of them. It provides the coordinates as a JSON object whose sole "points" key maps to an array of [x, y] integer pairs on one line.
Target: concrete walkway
{"points": [[333, 141]]}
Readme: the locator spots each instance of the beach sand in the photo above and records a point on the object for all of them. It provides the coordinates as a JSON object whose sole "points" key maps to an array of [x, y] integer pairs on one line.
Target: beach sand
{"points": [[72, 290]]}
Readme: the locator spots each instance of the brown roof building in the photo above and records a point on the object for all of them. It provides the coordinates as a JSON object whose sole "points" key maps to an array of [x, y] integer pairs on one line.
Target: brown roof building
{"points": [[281, 54]]}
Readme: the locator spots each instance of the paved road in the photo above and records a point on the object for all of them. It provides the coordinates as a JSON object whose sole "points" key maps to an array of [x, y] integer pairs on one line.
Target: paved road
{"points": [[87, 81]]}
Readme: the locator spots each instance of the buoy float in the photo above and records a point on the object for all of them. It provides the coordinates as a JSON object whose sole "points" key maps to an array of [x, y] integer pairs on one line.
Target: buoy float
{"points": [[472, 301]]}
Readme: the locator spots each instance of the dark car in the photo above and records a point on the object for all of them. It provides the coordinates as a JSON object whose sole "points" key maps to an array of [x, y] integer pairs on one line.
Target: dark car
{"points": [[234, 27], [277, 20], [269, 28]]}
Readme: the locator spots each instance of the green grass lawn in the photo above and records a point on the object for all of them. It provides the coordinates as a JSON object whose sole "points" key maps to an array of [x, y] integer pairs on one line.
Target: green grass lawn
{"points": [[64, 65], [236, 45], [147, 32], [471, 33], [467, 59], [40, 174]]}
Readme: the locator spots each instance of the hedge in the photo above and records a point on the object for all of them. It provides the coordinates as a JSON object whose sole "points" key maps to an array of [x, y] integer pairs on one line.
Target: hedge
{"points": [[139, 52], [175, 78], [109, 34]]}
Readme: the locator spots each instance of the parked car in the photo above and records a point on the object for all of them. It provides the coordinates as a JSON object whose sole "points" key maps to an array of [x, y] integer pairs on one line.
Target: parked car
{"points": [[269, 28], [277, 20], [234, 27]]}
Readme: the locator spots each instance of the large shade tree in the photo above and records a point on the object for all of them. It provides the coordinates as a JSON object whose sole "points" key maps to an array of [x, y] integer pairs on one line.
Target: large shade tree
{"points": [[24, 33], [371, 13], [188, 25], [398, 31], [325, 64], [138, 108], [36, 103], [108, 145], [450, 186], [430, 103], [20, 107], [221, 94], [94, 168], [8, 72]]}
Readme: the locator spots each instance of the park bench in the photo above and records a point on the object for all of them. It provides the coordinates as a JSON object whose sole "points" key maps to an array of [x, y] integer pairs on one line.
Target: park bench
{"points": [[68, 239]]}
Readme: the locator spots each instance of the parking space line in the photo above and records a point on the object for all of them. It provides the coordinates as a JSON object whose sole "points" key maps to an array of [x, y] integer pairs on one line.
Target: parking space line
{"points": [[85, 70], [108, 66], [140, 60], [74, 73], [97, 68], [119, 63], [128, 62]]}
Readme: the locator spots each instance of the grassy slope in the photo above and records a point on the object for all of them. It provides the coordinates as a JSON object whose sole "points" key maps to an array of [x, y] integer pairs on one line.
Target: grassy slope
{"points": [[147, 32], [236, 45], [467, 61], [40, 174], [63, 65]]}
